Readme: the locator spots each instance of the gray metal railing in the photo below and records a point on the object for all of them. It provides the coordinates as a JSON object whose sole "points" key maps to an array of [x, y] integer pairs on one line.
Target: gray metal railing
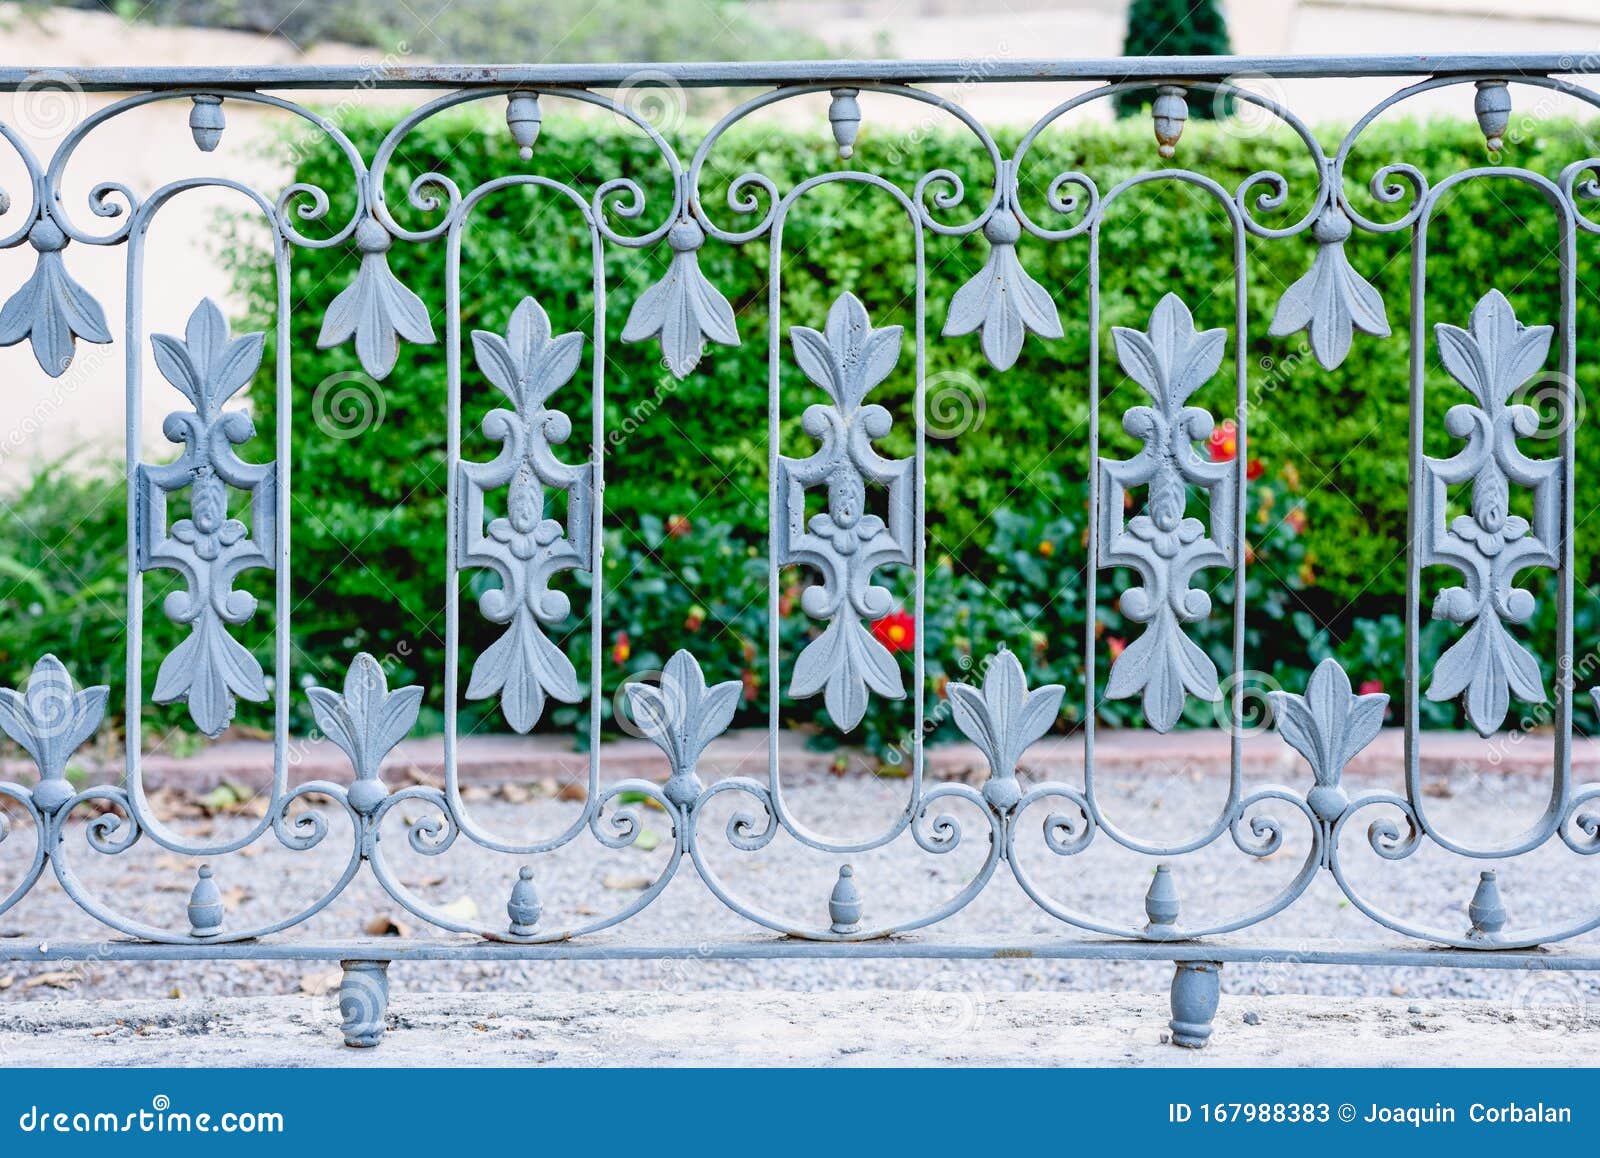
{"points": [[843, 546]]}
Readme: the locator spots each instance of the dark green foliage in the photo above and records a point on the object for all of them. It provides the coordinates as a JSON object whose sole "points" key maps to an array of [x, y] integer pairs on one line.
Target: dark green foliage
{"points": [[686, 472], [1174, 28]]}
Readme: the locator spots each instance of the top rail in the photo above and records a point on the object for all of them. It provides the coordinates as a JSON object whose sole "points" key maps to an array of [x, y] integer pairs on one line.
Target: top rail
{"points": [[721, 73]]}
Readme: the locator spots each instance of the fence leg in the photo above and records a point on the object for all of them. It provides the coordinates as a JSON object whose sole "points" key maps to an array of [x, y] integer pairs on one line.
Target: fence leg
{"points": [[364, 1002], [1196, 986]]}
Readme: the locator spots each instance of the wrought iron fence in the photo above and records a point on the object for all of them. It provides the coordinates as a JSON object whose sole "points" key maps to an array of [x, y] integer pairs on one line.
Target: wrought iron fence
{"points": [[844, 512]]}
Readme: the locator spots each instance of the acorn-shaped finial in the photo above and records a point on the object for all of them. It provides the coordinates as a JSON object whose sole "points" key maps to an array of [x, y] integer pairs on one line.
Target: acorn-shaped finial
{"points": [[844, 905], [524, 908], [1487, 914], [523, 119], [205, 906], [1492, 106], [1161, 903], [1169, 112], [844, 115], [206, 121]]}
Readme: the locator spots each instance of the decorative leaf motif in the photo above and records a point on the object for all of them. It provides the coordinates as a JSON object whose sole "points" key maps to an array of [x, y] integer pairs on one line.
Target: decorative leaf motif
{"points": [[209, 670], [1001, 299], [1328, 725], [683, 309], [50, 309], [1489, 546], [526, 549], [368, 720], [1003, 720], [1332, 300], [1166, 546], [375, 309], [681, 716], [845, 544], [50, 720]]}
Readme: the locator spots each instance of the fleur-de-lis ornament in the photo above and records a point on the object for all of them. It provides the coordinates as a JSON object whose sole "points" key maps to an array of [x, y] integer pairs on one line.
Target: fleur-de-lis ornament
{"points": [[1163, 543], [1329, 726], [1332, 300], [51, 310], [525, 547], [367, 721], [684, 309], [1003, 720], [1490, 546], [50, 720], [209, 669], [681, 716], [845, 543], [1001, 299], [375, 309]]}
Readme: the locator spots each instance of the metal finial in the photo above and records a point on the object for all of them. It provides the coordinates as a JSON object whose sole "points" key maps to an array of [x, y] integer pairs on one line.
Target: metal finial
{"points": [[1487, 913], [1161, 903], [844, 905], [844, 115], [1170, 111], [1492, 106], [523, 118], [205, 906], [206, 121], [524, 907]]}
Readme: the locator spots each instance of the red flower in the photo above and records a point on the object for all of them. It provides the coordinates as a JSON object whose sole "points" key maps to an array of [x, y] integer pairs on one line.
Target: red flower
{"points": [[1115, 645], [1224, 442], [621, 649], [677, 526], [1047, 548], [1370, 687], [897, 631], [696, 617], [1254, 470], [1296, 520], [752, 683]]}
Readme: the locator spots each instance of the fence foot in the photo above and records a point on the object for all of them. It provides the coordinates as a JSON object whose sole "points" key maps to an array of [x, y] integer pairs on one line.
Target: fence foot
{"points": [[1196, 986], [364, 1002]]}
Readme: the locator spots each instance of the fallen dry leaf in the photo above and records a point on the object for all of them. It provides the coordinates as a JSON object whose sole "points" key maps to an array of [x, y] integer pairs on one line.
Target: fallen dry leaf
{"points": [[61, 979], [384, 925], [572, 790], [175, 993], [516, 793], [625, 881], [320, 983], [461, 909], [8, 981]]}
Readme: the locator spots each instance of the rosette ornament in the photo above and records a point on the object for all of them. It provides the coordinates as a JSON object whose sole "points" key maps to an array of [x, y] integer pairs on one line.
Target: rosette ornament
{"points": [[375, 309], [683, 309], [1001, 299], [50, 720], [681, 716], [50, 309], [366, 722], [1003, 720], [1332, 300]]}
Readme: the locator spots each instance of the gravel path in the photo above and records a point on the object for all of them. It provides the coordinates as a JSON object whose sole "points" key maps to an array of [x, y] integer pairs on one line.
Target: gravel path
{"points": [[1550, 885]]}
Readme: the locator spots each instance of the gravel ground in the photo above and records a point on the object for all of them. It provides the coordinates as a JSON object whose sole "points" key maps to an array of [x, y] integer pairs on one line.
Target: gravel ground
{"points": [[1546, 887]]}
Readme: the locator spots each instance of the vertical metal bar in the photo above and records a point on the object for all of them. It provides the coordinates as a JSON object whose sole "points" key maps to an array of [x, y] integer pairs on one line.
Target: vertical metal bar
{"points": [[774, 663], [1092, 566], [1418, 368], [1241, 493], [282, 679], [920, 488], [133, 702], [597, 573], [1565, 577], [452, 585]]}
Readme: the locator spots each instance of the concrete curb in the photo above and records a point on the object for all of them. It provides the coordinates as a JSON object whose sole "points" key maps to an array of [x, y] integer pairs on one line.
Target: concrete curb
{"points": [[930, 1027]]}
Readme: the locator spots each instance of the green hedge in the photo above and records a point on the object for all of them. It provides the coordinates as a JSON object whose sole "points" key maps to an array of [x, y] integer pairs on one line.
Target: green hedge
{"points": [[369, 511]]}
